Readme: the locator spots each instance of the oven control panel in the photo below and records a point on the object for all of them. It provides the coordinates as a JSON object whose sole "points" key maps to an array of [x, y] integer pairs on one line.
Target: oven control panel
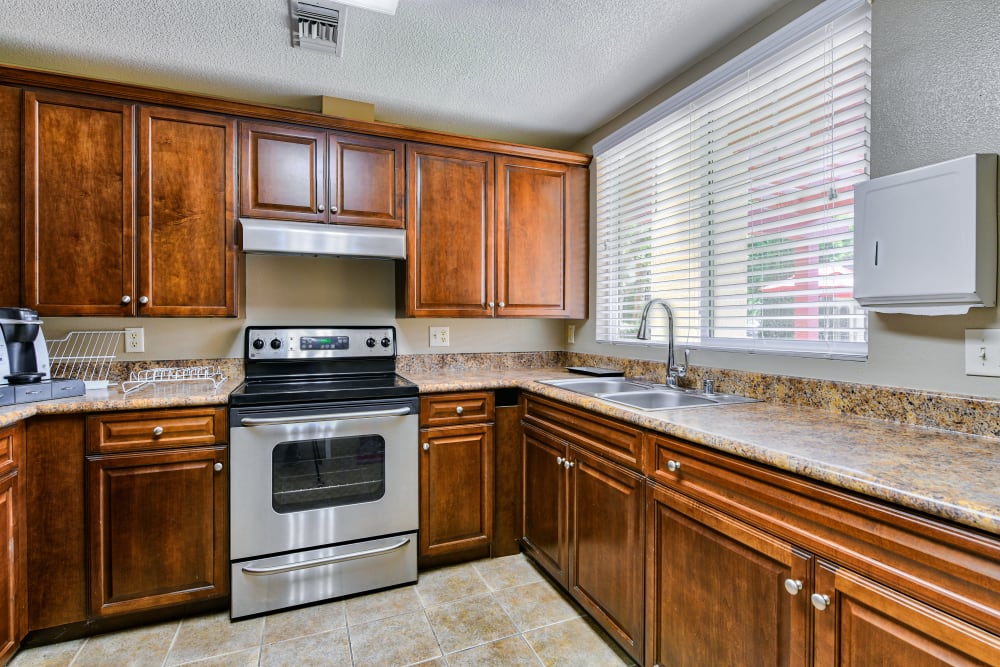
{"points": [[276, 343]]}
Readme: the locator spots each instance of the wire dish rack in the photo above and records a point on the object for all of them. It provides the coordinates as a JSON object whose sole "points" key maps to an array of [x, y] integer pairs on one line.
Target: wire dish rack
{"points": [[85, 355], [141, 378]]}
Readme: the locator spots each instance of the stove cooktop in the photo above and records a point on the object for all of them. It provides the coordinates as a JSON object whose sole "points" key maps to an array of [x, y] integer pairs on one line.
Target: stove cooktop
{"points": [[326, 389]]}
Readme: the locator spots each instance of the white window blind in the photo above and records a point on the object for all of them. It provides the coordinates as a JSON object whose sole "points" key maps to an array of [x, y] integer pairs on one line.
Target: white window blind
{"points": [[737, 205]]}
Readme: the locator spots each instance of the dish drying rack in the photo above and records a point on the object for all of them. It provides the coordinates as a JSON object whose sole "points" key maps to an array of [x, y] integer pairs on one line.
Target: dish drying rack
{"points": [[85, 355], [141, 378]]}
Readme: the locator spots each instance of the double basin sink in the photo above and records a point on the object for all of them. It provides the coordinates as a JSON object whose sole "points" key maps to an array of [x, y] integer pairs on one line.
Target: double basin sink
{"points": [[643, 395]]}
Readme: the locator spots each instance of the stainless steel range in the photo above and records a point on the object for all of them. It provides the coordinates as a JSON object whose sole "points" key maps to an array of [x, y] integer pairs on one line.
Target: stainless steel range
{"points": [[323, 468]]}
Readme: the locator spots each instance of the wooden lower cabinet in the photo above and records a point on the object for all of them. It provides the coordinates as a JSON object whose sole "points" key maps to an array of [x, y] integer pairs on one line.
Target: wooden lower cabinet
{"points": [[11, 568], [716, 589], [583, 523], [157, 528], [456, 488], [859, 622]]}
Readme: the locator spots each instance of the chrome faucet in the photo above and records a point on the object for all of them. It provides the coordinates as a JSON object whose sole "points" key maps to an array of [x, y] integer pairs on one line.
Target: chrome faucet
{"points": [[674, 372]]}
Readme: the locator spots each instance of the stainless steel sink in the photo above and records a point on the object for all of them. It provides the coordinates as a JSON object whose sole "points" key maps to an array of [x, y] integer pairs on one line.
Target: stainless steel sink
{"points": [[593, 386], [644, 396]]}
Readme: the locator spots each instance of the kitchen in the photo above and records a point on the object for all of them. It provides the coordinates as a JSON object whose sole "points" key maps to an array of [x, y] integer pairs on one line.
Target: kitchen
{"points": [[929, 104]]}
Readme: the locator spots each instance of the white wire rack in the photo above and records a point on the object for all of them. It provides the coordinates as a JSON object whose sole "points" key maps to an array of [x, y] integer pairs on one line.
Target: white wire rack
{"points": [[141, 378], [85, 355]]}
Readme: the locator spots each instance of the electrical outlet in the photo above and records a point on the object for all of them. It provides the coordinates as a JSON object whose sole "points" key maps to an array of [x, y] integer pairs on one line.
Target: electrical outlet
{"points": [[570, 333], [135, 341], [982, 352], [440, 337]]}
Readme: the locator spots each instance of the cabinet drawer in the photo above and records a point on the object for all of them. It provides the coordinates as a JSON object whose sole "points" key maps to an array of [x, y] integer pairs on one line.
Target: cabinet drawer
{"points": [[155, 429], [10, 444], [609, 438], [458, 408]]}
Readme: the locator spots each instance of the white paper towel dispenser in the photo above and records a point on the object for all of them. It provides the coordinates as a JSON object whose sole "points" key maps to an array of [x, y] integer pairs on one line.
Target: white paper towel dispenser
{"points": [[925, 240]]}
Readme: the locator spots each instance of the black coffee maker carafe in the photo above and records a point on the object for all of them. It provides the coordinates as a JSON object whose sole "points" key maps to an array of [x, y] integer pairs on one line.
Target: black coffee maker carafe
{"points": [[27, 358]]}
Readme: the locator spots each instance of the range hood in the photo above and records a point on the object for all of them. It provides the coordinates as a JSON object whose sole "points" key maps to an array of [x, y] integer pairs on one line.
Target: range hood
{"points": [[281, 237]]}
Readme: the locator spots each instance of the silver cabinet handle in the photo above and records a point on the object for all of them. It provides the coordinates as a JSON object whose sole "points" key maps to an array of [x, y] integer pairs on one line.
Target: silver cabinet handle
{"points": [[320, 208], [126, 300], [459, 410], [821, 602], [334, 209], [559, 460], [157, 430], [490, 304], [305, 419], [330, 560], [144, 300], [793, 586], [217, 467], [502, 304], [427, 446], [673, 466], [568, 464]]}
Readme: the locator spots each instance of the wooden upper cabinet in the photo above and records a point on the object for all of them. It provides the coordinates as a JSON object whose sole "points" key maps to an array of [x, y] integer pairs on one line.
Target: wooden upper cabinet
{"points": [[282, 172], [541, 239], [367, 181], [306, 175], [78, 205], [10, 201], [187, 247], [450, 253]]}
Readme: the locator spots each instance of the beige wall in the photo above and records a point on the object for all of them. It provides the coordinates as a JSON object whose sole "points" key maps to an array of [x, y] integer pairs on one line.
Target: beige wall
{"points": [[935, 68], [317, 290]]}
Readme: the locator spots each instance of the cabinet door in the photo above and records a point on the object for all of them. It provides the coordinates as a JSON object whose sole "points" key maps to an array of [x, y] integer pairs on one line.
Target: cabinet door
{"points": [[10, 202], [456, 488], [450, 232], [546, 500], [11, 565], [861, 622], [541, 239], [78, 206], [187, 248], [157, 527], [607, 541], [715, 589], [367, 181], [282, 172]]}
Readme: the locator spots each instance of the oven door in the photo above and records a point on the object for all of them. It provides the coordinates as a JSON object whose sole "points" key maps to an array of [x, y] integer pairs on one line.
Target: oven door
{"points": [[312, 476]]}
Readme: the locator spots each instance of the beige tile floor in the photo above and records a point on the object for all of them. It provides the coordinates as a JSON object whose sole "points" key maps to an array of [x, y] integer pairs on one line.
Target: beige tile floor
{"points": [[498, 612]]}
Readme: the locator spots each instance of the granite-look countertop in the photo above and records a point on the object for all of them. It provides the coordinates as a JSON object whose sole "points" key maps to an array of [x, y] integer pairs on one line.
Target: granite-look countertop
{"points": [[943, 473], [166, 395]]}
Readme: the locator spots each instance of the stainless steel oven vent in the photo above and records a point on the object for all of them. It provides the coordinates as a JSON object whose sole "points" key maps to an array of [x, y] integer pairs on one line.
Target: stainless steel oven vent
{"points": [[317, 25]]}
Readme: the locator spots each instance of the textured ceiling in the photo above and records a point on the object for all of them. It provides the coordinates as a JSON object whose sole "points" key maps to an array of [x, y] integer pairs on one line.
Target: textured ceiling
{"points": [[542, 72]]}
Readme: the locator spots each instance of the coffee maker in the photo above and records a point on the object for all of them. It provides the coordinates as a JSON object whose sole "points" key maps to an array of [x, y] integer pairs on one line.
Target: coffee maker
{"points": [[24, 361]]}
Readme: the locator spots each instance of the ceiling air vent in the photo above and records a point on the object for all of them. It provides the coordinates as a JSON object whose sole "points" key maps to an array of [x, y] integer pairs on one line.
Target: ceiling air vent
{"points": [[317, 25]]}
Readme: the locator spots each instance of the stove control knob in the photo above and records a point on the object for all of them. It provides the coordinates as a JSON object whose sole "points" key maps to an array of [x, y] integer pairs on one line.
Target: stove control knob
{"points": [[258, 343], [386, 342], [275, 343], [370, 342]]}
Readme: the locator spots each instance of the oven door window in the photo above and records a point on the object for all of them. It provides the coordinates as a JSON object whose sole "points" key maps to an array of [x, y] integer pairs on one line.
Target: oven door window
{"points": [[327, 472]]}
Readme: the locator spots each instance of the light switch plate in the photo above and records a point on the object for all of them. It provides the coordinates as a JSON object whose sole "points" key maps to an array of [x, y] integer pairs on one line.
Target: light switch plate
{"points": [[440, 337], [570, 333], [982, 352]]}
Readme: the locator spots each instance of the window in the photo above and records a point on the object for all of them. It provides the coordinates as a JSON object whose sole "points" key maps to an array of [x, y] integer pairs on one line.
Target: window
{"points": [[734, 201]]}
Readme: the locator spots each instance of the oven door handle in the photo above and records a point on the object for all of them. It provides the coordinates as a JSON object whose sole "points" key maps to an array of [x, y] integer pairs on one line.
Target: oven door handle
{"points": [[329, 560], [265, 421]]}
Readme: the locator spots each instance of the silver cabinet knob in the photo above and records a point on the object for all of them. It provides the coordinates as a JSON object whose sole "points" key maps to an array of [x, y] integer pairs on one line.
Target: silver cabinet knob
{"points": [[490, 304], [126, 300], [502, 304], [559, 460], [427, 446], [157, 430], [673, 466], [334, 209], [144, 300], [459, 410], [320, 208], [568, 464], [793, 586], [821, 602], [217, 467]]}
